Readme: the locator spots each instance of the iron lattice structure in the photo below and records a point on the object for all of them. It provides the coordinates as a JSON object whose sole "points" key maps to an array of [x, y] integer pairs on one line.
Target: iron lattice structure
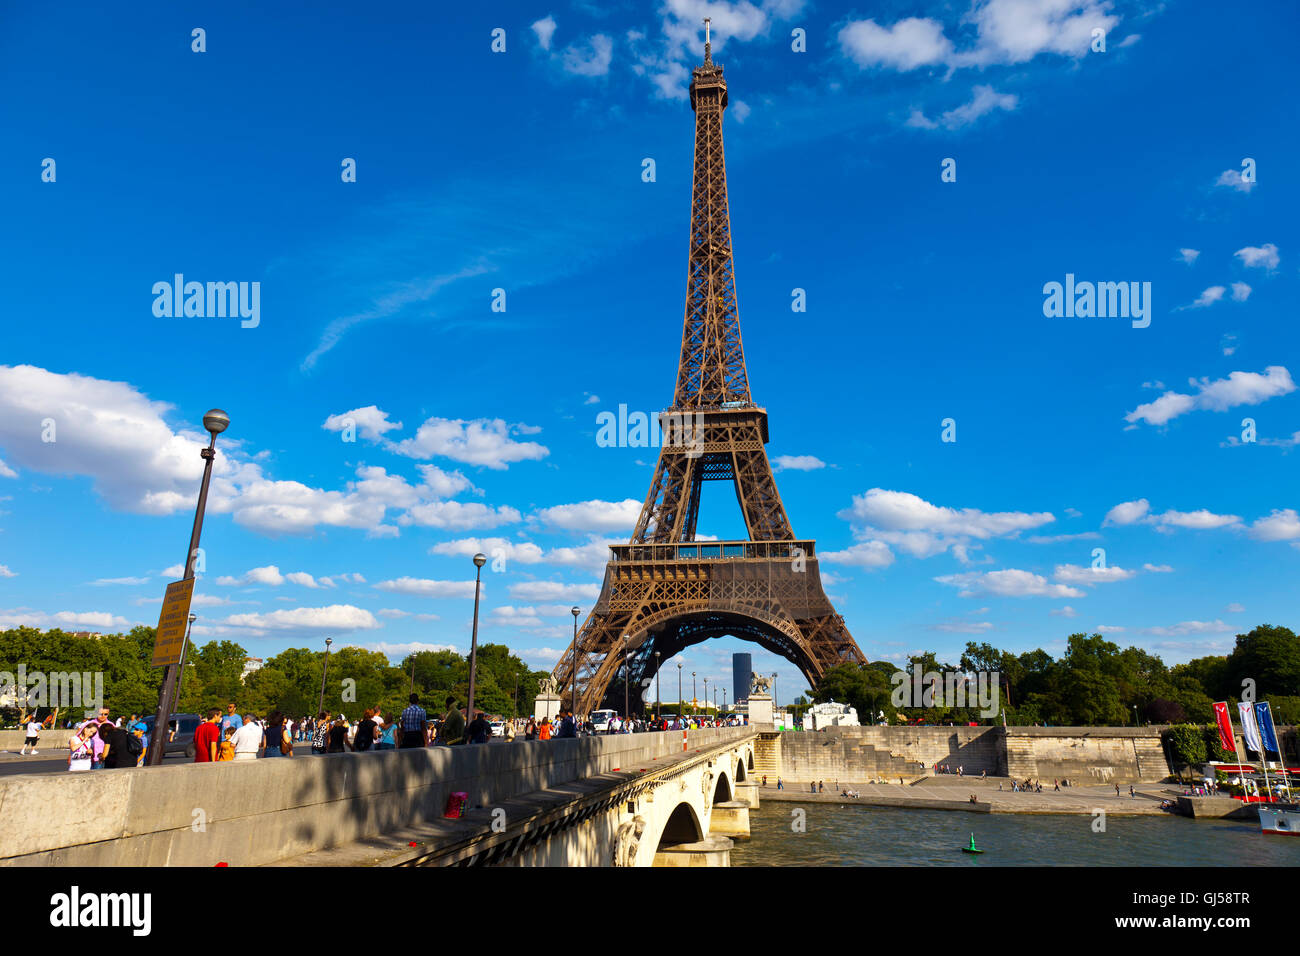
{"points": [[664, 591]]}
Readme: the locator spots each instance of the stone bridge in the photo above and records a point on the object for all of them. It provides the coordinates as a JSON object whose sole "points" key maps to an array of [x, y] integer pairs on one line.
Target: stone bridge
{"points": [[668, 799]]}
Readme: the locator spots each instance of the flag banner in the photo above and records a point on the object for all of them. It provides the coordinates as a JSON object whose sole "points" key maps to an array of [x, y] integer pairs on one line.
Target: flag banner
{"points": [[1226, 737], [1249, 729], [1267, 732]]}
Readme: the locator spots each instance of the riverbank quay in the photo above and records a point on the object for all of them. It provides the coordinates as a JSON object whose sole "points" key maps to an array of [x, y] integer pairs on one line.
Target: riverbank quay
{"points": [[953, 793]]}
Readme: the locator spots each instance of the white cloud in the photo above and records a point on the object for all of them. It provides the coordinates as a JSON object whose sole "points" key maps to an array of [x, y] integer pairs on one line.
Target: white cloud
{"points": [[1006, 32], [545, 29], [1239, 388], [104, 582], [1076, 574], [1207, 298], [396, 613], [335, 617], [554, 591], [66, 620], [1109, 629], [396, 652], [921, 529], [1130, 512], [906, 45], [525, 552], [1240, 292], [869, 554], [589, 59], [426, 587], [6, 573], [1065, 611], [1157, 568], [460, 516], [1190, 627], [1232, 178], [370, 422], [1188, 255], [302, 578], [797, 463], [1200, 519], [984, 100], [740, 110], [1258, 257], [1011, 582], [483, 441], [6, 471], [1280, 525], [594, 515], [1234, 608], [963, 627]]}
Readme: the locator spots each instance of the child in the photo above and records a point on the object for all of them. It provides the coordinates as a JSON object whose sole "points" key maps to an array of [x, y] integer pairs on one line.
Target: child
{"points": [[227, 748]]}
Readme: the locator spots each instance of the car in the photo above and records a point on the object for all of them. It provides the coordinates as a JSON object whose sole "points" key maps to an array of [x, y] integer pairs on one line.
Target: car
{"points": [[183, 726], [498, 728], [600, 719]]}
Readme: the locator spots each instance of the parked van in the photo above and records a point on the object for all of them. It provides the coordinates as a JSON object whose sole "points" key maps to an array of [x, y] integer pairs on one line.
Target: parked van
{"points": [[182, 727]]}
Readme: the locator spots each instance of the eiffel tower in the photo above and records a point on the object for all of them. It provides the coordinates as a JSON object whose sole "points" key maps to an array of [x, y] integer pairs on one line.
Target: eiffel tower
{"points": [[664, 590]]}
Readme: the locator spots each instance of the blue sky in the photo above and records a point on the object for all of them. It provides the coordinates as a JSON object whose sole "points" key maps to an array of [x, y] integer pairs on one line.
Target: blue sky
{"points": [[522, 171]]}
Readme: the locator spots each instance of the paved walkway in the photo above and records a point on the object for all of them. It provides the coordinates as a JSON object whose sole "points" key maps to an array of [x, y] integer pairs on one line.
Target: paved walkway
{"points": [[953, 792]]}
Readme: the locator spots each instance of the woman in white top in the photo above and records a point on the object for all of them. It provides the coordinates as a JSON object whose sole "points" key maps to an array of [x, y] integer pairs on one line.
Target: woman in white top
{"points": [[82, 747]]}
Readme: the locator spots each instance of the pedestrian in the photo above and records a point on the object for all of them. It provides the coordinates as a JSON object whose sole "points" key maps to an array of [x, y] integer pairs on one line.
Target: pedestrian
{"points": [[414, 721], [387, 730], [544, 731], [227, 749], [247, 740], [568, 725], [231, 719], [452, 730], [779, 784], [530, 729], [207, 737], [81, 752], [1117, 790], [364, 738], [479, 730], [277, 742], [120, 747], [338, 736], [1130, 791], [765, 780], [96, 741], [33, 735], [320, 734]]}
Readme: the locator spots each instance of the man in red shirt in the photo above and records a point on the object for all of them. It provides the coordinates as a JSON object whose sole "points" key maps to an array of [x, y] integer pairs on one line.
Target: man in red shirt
{"points": [[207, 738]]}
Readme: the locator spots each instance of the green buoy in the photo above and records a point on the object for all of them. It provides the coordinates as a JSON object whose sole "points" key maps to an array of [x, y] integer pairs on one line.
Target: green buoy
{"points": [[972, 848]]}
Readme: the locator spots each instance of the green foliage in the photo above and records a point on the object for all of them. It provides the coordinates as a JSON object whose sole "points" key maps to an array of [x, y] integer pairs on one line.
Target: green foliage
{"points": [[1187, 743], [291, 681]]}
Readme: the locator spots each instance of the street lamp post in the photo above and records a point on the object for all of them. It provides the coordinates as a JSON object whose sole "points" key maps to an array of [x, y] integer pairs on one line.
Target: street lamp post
{"points": [[724, 698], [215, 421], [324, 671], [575, 611], [479, 560], [693, 697], [656, 685], [627, 679], [679, 690]]}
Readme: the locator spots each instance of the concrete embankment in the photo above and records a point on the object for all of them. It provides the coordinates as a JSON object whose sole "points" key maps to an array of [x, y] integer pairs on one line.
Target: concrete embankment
{"points": [[949, 793], [1084, 755]]}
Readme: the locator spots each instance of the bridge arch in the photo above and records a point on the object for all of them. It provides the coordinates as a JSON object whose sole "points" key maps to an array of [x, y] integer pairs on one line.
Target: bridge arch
{"points": [[722, 790], [682, 826], [740, 769]]}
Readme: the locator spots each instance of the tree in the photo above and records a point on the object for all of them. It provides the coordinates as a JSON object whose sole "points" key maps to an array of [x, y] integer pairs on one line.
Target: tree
{"points": [[1268, 655]]}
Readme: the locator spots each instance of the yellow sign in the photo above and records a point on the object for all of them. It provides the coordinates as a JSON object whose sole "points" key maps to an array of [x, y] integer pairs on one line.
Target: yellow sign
{"points": [[170, 638]]}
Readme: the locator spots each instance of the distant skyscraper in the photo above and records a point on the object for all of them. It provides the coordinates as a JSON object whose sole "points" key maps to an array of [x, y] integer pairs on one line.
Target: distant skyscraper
{"points": [[742, 667]]}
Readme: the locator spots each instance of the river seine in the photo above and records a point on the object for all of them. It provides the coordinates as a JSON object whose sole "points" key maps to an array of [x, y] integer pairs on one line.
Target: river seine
{"points": [[885, 836]]}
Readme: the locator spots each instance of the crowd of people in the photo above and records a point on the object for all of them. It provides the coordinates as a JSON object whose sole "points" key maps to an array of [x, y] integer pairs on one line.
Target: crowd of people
{"points": [[226, 735]]}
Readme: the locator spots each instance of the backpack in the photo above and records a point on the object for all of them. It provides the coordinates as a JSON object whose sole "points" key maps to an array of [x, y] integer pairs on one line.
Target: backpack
{"points": [[133, 746]]}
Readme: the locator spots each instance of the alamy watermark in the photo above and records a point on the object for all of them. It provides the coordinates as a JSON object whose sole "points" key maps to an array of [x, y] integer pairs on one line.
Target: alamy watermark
{"points": [[1101, 300], [947, 689], [640, 430], [213, 300], [36, 689]]}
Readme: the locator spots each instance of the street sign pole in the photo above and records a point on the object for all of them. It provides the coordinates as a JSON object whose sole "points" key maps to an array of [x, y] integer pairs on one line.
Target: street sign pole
{"points": [[215, 421]]}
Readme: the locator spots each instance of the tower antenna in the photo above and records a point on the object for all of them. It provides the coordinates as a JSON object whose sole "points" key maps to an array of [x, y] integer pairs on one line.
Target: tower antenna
{"points": [[708, 55]]}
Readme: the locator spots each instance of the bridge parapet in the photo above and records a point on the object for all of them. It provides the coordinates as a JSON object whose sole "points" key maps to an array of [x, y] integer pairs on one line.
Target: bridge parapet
{"points": [[258, 812]]}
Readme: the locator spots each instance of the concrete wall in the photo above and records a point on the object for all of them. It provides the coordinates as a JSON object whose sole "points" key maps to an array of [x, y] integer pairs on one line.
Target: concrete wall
{"points": [[49, 740], [1083, 754], [260, 811]]}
